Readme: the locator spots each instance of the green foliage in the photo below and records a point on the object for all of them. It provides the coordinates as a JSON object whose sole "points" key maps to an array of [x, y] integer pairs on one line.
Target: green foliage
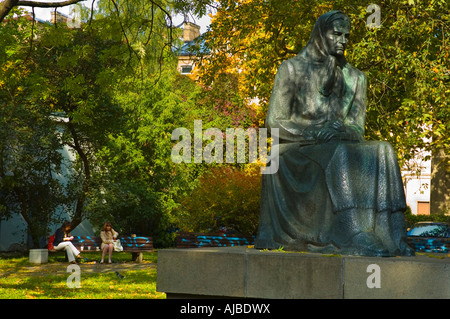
{"points": [[196, 7], [71, 63], [406, 60], [31, 164], [111, 91], [86, 89], [139, 183]]}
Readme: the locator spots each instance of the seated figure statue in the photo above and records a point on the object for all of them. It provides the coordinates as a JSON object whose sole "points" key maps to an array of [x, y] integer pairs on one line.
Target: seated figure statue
{"points": [[333, 192]]}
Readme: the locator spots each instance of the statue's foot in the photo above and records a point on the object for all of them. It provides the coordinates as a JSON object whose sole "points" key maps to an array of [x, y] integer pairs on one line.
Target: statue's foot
{"points": [[366, 244], [391, 229], [405, 249]]}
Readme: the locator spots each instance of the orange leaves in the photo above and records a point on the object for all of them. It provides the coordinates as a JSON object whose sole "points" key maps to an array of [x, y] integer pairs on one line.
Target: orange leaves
{"points": [[225, 196]]}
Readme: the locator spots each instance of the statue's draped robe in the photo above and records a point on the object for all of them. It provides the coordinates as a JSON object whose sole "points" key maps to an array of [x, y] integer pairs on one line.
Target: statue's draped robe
{"points": [[314, 181]]}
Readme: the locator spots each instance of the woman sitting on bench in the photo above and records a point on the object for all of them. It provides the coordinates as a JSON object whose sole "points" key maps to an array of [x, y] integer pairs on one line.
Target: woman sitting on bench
{"points": [[63, 241], [108, 236]]}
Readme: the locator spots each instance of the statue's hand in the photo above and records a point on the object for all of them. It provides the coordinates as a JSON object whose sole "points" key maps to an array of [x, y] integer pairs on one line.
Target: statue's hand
{"points": [[326, 134], [338, 126], [333, 130]]}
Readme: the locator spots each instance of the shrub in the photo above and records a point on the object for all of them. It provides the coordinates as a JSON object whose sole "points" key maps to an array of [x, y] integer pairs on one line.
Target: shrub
{"points": [[225, 197], [411, 219]]}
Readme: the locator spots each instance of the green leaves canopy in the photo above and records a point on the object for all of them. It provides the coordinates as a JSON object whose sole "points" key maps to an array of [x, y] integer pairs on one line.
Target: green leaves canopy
{"points": [[406, 60]]}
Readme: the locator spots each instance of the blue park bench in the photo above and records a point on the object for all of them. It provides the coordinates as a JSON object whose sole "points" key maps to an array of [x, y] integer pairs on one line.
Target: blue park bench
{"points": [[135, 245], [198, 240]]}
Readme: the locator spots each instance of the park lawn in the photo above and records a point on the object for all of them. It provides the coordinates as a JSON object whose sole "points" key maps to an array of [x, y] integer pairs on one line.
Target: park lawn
{"points": [[19, 280]]}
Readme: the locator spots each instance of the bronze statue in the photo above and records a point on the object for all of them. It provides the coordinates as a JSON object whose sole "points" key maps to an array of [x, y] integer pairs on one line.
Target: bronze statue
{"points": [[334, 192]]}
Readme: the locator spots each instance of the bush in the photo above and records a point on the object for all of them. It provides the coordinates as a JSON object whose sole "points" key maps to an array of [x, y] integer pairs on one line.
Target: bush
{"points": [[225, 197], [411, 219]]}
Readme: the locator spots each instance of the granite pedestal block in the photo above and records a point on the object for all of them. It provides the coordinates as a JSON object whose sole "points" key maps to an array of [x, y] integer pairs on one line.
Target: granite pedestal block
{"points": [[242, 272]]}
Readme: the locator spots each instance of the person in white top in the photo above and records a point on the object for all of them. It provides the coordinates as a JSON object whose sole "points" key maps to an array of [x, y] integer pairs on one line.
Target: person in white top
{"points": [[108, 235]]}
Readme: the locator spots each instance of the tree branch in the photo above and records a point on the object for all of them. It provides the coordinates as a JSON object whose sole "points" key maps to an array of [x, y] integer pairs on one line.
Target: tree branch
{"points": [[7, 5], [26, 3]]}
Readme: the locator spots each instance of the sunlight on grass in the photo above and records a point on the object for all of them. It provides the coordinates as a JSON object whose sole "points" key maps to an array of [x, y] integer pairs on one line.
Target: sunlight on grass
{"points": [[19, 280]]}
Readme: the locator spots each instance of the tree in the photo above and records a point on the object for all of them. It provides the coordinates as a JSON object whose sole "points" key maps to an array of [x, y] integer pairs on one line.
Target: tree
{"points": [[70, 73], [78, 75], [139, 183], [130, 19], [30, 172], [31, 164], [113, 86]]}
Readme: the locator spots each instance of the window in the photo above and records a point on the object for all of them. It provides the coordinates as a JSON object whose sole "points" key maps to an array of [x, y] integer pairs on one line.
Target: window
{"points": [[423, 208], [186, 69]]}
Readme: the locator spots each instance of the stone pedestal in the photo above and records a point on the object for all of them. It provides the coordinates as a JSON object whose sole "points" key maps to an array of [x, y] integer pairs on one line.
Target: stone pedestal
{"points": [[38, 256], [249, 273]]}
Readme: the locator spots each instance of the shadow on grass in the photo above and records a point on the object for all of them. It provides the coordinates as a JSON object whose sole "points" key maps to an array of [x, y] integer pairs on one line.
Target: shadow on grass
{"points": [[136, 284], [19, 281]]}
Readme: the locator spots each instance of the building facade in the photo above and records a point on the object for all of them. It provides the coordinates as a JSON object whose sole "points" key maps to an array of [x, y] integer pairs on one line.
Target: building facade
{"points": [[186, 62]]}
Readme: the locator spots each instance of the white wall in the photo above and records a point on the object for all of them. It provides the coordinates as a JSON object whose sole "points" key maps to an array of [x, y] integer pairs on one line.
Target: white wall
{"points": [[417, 188]]}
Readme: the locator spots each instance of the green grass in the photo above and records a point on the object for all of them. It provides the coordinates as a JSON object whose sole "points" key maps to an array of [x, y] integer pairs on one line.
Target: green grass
{"points": [[20, 279]]}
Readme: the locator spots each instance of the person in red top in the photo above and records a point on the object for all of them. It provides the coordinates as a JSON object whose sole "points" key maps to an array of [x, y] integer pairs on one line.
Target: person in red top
{"points": [[63, 241]]}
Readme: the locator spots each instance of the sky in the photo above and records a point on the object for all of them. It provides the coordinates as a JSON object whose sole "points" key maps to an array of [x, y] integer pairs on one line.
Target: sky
{"points": [[44, 14]]}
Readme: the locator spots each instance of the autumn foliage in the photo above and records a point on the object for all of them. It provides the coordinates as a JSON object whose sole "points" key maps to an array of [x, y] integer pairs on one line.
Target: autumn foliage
{"points": [[225, 197], [405, 59]]}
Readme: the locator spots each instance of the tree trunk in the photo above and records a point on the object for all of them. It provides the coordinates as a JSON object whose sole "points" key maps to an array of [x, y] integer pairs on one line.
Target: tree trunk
{"points": [[77, 217], [440, 183], [5, 7], [32, 231]]}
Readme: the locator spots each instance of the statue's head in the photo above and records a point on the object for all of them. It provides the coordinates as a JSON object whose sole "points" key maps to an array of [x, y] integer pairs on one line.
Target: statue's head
{"points": [[336, 33], [330, 34], [326, 48]]}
